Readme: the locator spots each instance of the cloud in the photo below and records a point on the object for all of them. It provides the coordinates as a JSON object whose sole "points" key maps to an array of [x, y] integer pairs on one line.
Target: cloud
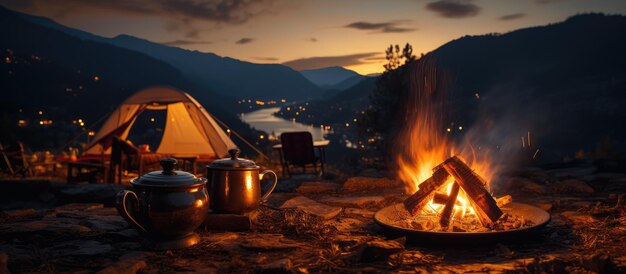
{"points": [[513, 16], [273, 59], [454, 8], [217, 11], [383, 27], [330, 61], [547, 1], [185, 43], [244, 40]]}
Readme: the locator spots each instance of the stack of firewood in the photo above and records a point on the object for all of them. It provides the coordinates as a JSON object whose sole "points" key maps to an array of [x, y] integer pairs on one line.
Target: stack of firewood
{"points": [[484, 204]]}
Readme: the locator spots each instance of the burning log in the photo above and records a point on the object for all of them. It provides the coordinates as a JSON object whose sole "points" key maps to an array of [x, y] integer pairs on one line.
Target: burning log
{"points": [[474, 186], [444, 220], [504, 200], [442, 198], [416, 202]]}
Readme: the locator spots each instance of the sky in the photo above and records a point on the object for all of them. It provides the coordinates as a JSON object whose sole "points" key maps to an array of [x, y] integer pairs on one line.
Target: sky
{"points": [[308, 34]]}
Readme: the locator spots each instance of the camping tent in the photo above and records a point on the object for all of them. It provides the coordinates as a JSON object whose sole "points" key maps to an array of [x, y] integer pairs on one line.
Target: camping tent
{"points": [[189, 129]]}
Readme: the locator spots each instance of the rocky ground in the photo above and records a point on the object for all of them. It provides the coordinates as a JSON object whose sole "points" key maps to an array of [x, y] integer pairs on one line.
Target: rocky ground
{"points": [[319, 226]]}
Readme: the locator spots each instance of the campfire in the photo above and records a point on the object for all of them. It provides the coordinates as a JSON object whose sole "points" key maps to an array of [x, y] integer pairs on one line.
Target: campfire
{"points": [[466, 206], [448, 193]]}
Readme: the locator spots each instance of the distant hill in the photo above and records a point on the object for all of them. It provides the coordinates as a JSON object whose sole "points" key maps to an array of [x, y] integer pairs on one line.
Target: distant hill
{"points": [[222, 75], [327, 78], [564, 82], [69, 78]]}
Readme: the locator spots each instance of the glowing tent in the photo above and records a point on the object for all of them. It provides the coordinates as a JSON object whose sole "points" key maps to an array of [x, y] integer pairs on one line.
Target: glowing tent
{"points": [[189, 129]]}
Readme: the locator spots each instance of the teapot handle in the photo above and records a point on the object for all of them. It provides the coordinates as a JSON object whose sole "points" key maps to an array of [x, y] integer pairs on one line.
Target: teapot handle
{"points": [[120, 203], [267, 194]]}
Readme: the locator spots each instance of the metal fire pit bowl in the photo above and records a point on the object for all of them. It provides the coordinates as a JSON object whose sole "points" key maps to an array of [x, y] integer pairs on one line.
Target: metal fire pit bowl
{"points": [[387, 216]]}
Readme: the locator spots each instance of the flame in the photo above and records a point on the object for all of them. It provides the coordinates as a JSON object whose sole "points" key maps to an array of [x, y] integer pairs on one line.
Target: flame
{"points": [[425, 141]]}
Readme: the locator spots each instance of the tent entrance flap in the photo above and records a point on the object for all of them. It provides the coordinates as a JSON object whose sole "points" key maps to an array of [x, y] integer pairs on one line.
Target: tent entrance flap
{"points": [[181, 136]]}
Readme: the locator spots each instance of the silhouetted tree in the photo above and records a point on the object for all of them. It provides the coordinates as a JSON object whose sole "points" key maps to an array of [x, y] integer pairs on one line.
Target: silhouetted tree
{"points": [[382, 117]]}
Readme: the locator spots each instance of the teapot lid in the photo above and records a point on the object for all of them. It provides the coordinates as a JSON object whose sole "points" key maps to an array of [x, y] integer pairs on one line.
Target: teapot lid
{"points": [[168, 177], [234, 162]]}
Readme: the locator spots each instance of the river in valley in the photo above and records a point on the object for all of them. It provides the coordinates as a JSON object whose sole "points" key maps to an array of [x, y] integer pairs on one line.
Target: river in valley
{"points": [[264, 120]]}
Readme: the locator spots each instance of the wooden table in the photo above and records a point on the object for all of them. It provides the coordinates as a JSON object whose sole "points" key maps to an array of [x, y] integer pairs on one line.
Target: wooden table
{"points": [[320, 145]]}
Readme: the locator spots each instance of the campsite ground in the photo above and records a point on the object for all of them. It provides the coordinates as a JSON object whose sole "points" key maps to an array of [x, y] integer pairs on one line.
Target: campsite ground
{"points": [[316, 226]]}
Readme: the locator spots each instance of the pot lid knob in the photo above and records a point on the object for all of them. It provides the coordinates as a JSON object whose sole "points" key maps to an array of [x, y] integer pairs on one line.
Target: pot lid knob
{"points": [[168, 165], [234, 153]]}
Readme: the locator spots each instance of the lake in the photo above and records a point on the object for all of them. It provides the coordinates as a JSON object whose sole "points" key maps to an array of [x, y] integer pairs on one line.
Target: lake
{"points": [[264, 120]]}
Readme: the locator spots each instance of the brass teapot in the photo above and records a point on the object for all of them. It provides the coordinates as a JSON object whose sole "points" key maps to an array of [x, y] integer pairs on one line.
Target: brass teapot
{"points": [[165, 206], [234, 184]]}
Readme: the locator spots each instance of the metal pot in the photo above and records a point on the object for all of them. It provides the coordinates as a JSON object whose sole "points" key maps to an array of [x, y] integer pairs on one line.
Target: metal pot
{"points": [[234, 184], [166, 206]]}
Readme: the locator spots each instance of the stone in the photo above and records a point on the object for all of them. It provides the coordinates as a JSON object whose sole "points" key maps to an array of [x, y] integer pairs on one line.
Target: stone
{"points": [[105, 223], [227, 222], [91, 193], [347, 224], [125, 234], [578, 218], [572, 172], [49, 227], [221, 237], [359, 212], [317, 187], [598, 263], [572, 186], [312, 207], [4, 263], [81, 248], [21, 213], [547, 206], [128, 264], [603, 177], [78, 207], [349, 242], [278, 266], [267, 242], [104, 211], [372, 172], [356, 184], [378, 249], [525, 185], [355, 201]]}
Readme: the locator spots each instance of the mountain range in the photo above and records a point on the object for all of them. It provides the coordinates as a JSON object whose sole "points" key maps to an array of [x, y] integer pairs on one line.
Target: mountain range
{"points": [[220, 75], [48, 74], [564, 82], [332, 77]]}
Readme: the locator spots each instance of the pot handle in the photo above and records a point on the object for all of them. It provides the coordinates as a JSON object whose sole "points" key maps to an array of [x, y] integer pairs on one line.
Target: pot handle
{"points": [[120, 203], [267, 194]]}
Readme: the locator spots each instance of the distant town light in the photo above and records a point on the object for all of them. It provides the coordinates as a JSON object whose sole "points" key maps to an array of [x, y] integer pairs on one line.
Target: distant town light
{"points": [[262, 136], [40, 112], [92, 133], [21, 123], [448, 129], [283, 100], [96, 78], [460, 128], [347, 124], [152, 120]]}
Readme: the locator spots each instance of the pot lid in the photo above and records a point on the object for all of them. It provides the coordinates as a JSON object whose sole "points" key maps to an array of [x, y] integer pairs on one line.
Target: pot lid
{"points": [[168, 177], [233, 162]]}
